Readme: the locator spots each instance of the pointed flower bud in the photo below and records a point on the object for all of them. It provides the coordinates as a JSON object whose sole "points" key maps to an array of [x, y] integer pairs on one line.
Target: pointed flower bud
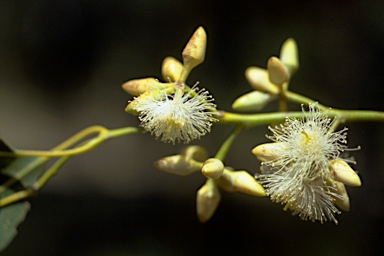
{"points": [[342, 198], [258, 78], [194, 52], [289, 55], [171, 69], [252, 101], [344, 173], [178, 165], [130, 108], [277, 71], [240, 181], [195, 152], [212, 168], [138, 86], [269, 151], [207, 199]]}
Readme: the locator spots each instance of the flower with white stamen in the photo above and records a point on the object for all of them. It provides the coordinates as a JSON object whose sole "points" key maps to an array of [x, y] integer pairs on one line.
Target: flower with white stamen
{"points": [[184, 115], [299, 167]]}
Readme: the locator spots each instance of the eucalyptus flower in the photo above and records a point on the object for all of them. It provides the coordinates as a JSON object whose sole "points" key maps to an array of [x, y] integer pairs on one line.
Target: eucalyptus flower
{"points": [[299, 167], [184, 115]]}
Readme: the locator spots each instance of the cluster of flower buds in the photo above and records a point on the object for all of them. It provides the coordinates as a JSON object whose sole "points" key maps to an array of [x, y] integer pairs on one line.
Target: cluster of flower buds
{"points": [[195, 158], [271, 83], [173, 110]]}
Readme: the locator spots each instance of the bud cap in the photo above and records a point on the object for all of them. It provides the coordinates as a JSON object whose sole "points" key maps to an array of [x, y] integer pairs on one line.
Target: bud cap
{"points": [[277, 71], [212, 168]]}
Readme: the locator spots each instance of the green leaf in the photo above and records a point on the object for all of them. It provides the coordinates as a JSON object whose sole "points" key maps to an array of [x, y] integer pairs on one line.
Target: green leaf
{"points": [[17, 174], [5, 161], [10, 217], [26, 169]]}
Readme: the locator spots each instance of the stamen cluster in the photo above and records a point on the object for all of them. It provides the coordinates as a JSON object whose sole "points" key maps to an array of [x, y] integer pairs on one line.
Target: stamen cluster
{"points": [[180, 116], [301, 168]]}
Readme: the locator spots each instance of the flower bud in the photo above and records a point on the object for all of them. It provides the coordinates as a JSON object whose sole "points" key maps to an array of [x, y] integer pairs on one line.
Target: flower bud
{"points": [[194, 52], [343, 202], [130, 108], [252, 101], [212, 168], [240, 181], [138, 86], [195, 152], [178, 165], [171, 69], [258, 78], [207, 199], [268, 151], [289, 55], [277, 71], [344, 173]]}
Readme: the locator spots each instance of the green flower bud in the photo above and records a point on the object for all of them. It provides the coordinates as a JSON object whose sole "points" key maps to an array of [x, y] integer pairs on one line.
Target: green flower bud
{"points": [[138, 86], [194, 52], [277, 71], [252, 101], [171, 69], [130, 108], [269, 151], [344, 173], [240, 181], [343, 202], [207, 200], [195, 152], [212, 168], [258, 79], [178, 165], [289, 55]]}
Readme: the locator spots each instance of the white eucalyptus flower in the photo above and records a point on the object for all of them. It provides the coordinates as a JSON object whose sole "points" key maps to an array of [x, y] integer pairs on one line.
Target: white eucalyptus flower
{"points": [[184, 115], [297, 167]]}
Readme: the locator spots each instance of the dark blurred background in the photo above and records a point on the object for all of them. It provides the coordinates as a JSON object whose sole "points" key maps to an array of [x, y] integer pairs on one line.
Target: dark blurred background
{"points": [[61, 67]]}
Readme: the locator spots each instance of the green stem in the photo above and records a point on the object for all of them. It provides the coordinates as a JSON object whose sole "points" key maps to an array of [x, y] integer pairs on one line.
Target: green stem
{"points": [[30, 191], [222, 152], [62, 149], [357, 115], [250, 120], [123, 131], [300, 99]]}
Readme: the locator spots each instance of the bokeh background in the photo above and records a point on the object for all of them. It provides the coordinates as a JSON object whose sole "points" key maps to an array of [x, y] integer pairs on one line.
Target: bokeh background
{"points": [[61, 67]]}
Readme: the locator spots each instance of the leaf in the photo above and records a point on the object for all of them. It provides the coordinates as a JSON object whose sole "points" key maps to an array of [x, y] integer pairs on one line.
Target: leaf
{"points": [[10, 217], [17, 174], [26, 169], [4, 161]]}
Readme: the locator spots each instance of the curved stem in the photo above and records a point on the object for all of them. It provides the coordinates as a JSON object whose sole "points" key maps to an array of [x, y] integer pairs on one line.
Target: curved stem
{"points": [[123, 131], [61, 150], [58, 151]]}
